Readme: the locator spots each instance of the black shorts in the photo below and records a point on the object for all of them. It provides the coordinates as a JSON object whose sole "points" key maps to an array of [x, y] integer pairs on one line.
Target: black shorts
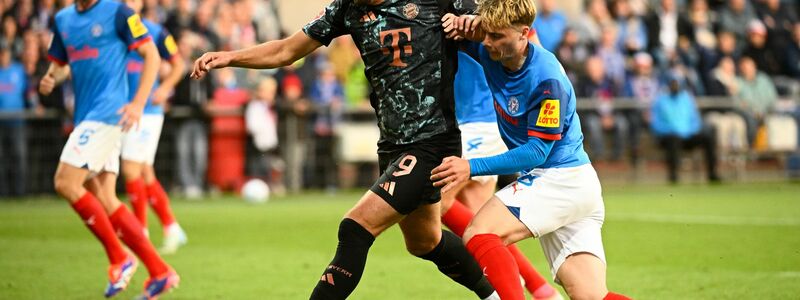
{"points": [[405, 182]]}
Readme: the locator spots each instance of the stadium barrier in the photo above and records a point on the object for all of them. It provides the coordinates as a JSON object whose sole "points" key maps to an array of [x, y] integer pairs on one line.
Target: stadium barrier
{"points": [[357, 135]]}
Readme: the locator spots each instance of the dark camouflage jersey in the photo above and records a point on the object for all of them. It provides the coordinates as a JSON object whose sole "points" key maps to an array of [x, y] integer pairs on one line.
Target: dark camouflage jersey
{"points": [[409, 64]]}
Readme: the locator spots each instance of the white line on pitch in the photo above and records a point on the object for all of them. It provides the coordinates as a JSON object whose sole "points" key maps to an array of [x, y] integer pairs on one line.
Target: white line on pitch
{"points": [[706, 220]]}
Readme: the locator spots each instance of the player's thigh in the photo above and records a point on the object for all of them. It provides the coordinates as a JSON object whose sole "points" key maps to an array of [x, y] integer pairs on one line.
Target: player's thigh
{"points": [[405, 183], [583, 276], [374, 213], [451, 196], [495, 218], [422, 229], [477, 192]]}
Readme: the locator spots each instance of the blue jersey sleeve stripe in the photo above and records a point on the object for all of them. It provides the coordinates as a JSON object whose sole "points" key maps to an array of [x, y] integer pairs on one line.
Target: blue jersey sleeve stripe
{"points": [[546, 136], [139, 43], [56, 60]]}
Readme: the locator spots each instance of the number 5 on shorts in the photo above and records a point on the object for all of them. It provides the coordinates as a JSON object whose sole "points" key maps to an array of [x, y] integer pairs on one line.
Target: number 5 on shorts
{"points": [[84, 137], [406, 166]]}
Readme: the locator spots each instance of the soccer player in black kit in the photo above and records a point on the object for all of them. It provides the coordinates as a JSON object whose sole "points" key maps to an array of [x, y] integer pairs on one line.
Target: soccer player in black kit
{"points": [[410, 67]]}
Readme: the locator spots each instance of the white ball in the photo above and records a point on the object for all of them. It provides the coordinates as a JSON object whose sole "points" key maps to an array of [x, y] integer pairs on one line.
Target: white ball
{"points": [[255, 191]]}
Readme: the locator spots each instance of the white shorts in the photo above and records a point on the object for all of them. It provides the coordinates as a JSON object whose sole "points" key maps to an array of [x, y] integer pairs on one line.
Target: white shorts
{"points": [[563, 208], [94, 146], [140, 145], [481, 139]]}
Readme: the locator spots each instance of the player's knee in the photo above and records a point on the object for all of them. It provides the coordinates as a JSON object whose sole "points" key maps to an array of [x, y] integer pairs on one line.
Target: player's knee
{"points": [[421, 247], [65, 187], [352, 234]]}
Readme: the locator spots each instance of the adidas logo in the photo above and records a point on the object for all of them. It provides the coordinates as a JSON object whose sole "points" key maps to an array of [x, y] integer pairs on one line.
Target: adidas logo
{"points": [[327, 277], [388, 187]]}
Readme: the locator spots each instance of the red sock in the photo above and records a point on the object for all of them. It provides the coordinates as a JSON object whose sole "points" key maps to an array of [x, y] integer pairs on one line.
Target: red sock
{"points": [[533, 280], [138, 197], [96, 219], [159, 200], [613, 296], [498, 265], [132, 233], [457, 218]]}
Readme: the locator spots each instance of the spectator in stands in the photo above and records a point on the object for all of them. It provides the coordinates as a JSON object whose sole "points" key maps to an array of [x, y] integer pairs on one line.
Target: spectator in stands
{"points": [[735, 18], [765, 58], [10, 35], [756, 94], [793, 53], [550, 24], [326, 95], [191, 137], [572, 54], [262, 125], [729, 123], [596, 87], [267, 18], [293, 111], [180, 18], [611, 55], [665, 24], [723, 81], [13, 137], [589, 24], [41, 19], [632, 32], [202, 25], [779, 20], [643, 86], [701, 22], [677, 125]]}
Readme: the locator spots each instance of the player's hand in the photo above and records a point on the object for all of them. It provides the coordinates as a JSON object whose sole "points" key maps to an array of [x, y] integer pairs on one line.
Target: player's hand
{"points": [[449, 25], [210, 61], [462, 27], [160, 95], [451, 173], [131, 113], [47, 84]]}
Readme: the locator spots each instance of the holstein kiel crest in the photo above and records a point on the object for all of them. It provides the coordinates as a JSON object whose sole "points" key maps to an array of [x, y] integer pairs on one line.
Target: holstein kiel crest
{"points": [[411, 10], [513, 105]]}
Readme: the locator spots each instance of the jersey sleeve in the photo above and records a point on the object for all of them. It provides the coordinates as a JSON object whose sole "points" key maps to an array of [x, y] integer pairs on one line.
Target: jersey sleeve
{"points": [[464, 7], [167, 48], [130, 28], [546, 110], [57, 53], [328, 25]]}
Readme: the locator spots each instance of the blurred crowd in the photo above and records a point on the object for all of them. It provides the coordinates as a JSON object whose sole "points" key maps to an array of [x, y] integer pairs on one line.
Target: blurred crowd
{"points": [[613, 51]]}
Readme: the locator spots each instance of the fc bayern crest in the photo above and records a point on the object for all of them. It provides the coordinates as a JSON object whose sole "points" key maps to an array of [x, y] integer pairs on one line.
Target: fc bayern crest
{"points": [[97, 30], [411, 10], [513, 105]]}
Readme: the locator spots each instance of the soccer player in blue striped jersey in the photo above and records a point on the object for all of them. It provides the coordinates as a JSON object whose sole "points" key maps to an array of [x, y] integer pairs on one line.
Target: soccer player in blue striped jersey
{"points": [[480, 137], [139, 145], [91, 41], [558, 198]]}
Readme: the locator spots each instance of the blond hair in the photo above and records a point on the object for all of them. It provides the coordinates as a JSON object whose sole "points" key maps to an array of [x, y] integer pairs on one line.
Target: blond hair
{"points": [[499, 14]]}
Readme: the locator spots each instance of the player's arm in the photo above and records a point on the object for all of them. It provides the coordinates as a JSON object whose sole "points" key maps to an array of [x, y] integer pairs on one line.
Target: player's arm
{"points": [[56, 74], [168, 51], [59, 69], [133, 33], [269, 55]]}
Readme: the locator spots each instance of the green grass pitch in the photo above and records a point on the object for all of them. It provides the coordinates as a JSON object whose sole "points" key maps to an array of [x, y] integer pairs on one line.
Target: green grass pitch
{"points": [[687, 242]]}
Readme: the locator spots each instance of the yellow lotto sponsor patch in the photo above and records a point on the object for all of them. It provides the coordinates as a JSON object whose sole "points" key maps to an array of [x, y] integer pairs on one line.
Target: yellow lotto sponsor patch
{"points": [[137, 27], [550, 114], [169, 42]]}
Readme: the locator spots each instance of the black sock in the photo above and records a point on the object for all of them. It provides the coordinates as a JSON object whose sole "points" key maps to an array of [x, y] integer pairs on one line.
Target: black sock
{"points": [[343, 273], [453, 260]]}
